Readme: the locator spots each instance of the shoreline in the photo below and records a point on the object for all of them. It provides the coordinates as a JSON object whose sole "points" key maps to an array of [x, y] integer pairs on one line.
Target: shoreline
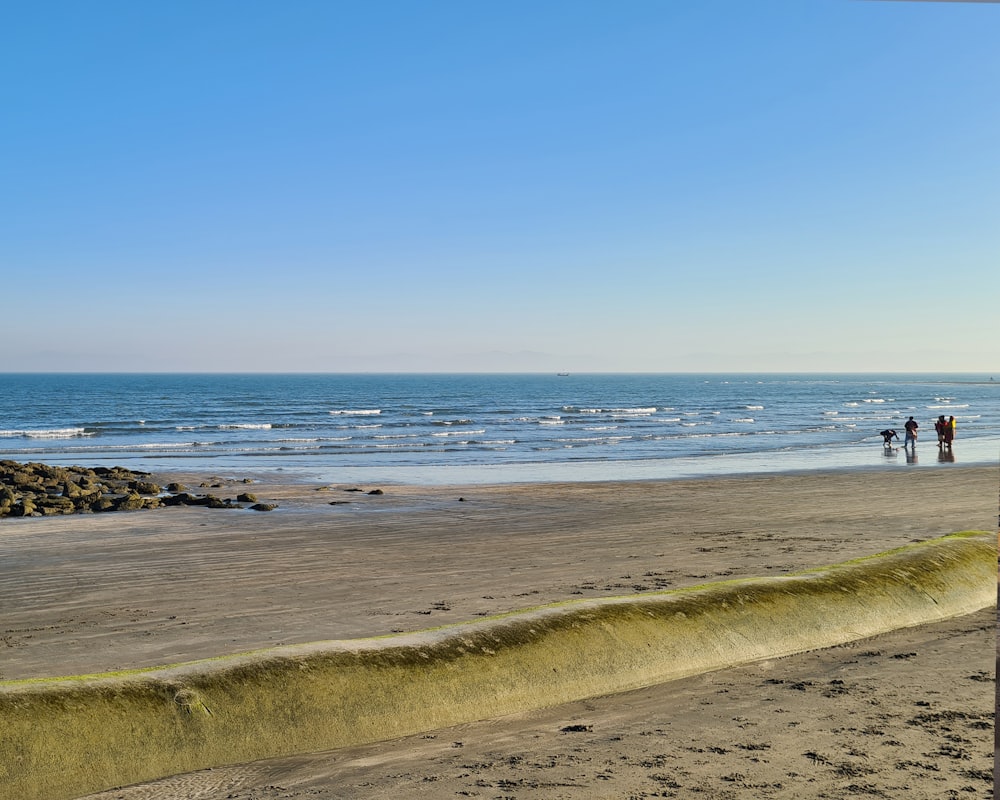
{"points": [[977, 451], [980, 452]]}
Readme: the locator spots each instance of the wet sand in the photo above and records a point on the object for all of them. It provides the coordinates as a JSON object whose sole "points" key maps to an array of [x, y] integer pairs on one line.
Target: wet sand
{"points": [[910, 711]]}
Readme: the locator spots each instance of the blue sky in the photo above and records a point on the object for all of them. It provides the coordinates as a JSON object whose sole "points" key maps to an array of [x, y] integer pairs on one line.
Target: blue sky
{"points": [[486, 186]]}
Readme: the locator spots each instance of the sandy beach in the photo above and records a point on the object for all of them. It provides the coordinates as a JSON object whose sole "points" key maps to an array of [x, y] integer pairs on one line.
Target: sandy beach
{"points": [[908, 711]]}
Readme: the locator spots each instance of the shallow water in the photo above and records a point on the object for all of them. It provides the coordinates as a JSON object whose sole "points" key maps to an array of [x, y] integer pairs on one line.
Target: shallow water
{"points": [[492, 428]]}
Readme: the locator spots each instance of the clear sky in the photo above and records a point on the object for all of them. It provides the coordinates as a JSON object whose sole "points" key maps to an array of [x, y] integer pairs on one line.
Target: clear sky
{"points": [[456, 185]]}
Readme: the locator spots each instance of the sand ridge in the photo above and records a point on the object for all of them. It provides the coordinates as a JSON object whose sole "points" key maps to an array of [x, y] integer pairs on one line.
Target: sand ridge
{"points": [[901, 715]]}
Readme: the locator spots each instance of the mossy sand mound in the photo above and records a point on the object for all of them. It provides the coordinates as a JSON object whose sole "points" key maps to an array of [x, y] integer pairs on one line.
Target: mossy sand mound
{"points": [[65, 737]]}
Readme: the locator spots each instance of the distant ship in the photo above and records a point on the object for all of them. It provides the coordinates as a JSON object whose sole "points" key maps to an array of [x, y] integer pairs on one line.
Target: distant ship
{"points": [[562, 374]]}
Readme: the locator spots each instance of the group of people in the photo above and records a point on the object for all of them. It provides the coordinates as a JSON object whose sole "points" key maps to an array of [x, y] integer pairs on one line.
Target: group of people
{"points": [[944, 428]]}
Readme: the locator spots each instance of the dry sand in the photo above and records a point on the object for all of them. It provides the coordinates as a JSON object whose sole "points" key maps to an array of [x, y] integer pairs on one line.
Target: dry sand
{"points": [[909, 712]]}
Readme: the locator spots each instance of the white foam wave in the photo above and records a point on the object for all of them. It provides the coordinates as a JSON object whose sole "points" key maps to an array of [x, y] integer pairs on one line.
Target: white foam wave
{"points": [[246, 426], [457, 433], [743, 419], [148, 446], [51, 433], [598, 439], [308, 440], [356, 412], [626, 411], [950, 405], [754, 408]]}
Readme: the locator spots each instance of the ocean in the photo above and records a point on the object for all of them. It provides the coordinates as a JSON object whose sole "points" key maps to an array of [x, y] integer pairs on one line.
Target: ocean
{"points": [[491, 428]]}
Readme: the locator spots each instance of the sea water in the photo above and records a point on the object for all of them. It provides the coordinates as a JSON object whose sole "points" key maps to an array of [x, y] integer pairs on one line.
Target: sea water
{"points": [[461, 428]]}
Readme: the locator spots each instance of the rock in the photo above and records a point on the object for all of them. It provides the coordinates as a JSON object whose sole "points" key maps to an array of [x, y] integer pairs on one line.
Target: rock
{"points": [[35, 489], [24, 509], [215, 502], [263, 507], [128, 502], [24, 479], [376, 491], [85, 502], [50, 505], [70, 489], [119, 473], [185, 499]]}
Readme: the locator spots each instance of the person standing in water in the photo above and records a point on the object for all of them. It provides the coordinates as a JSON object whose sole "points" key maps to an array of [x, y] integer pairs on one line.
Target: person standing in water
{"points": [[939, 428], [949, 432], [911, 433]]}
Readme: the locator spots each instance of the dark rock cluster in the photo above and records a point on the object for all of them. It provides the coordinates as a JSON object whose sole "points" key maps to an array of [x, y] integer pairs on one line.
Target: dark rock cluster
{"points": [[31, 490]]}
